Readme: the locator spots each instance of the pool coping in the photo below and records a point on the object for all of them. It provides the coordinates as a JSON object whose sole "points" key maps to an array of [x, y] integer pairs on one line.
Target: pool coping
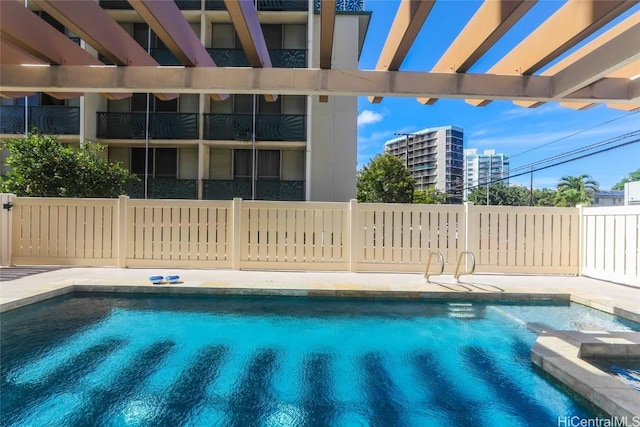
{"points": [[562, 354], [71, 287]]}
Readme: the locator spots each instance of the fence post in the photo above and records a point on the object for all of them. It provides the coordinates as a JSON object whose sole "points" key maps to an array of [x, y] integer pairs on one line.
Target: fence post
{"points": [[122, 231], [581, 238], [471, 228], [353, 239], [236, 211], [6, 228]]}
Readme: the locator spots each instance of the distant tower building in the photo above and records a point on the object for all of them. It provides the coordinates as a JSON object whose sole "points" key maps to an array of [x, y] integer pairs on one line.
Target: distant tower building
{"points": [[482, 169], [434, 156]]}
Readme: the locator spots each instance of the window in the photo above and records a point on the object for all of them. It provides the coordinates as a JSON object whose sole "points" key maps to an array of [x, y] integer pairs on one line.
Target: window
{"points": [[163, 162], [141, 35], [139, 103], [242, 164], [243, 104], [272, 35], [267, 164]]}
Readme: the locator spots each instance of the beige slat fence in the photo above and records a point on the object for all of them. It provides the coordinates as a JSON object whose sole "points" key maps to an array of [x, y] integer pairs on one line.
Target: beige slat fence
{"points": [[350, 236]]}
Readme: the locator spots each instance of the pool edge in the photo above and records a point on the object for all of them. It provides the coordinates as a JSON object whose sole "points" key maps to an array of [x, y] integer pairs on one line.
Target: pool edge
{"points": [[560, 355]]}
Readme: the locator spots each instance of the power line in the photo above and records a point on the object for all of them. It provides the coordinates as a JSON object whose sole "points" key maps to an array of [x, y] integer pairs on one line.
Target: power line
{"points": [[574, 134], [579, 150]]}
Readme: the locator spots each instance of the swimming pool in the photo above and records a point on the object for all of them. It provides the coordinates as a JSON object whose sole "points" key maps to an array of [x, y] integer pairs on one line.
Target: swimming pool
{"points": [[118, 360]]}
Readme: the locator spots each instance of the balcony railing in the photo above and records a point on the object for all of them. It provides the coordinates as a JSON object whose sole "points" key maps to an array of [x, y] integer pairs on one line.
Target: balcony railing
{"points": [[280, 190], [163, 188], [344, 5], [12, 119], [269, 127], [280, 58], [164, 125], [264, 5], [48, 119], [216, 189]]}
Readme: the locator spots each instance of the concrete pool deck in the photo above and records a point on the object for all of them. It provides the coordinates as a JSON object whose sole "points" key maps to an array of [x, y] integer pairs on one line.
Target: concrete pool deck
{"points": [[556, 352]]}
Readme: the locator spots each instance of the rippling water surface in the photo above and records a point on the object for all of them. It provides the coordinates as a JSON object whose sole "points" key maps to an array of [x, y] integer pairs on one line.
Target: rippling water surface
{"points": [[89, 360]]}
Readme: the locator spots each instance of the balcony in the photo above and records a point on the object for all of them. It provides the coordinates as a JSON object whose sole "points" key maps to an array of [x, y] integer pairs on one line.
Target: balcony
{"points": [[265, 5], [161, 125], [48, 119], [269, 127], [163, 188], [280, 58], [215, 189]]}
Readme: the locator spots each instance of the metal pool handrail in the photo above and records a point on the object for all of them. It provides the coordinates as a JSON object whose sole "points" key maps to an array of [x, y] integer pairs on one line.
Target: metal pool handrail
{"points": [[426, 270], [457, 274]]}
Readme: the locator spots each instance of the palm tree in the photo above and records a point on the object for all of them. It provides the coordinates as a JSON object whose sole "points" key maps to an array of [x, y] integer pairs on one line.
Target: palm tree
{"points": [[574, 190]]}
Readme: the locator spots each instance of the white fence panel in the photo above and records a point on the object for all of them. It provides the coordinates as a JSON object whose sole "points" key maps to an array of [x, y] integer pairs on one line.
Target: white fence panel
{"points": [[611, 236]]}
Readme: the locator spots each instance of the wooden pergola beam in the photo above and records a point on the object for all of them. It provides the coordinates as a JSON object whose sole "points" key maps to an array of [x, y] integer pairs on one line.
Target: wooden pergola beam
{"points": [[628, 71], [490, 22], [28, 32], [308, 81], [167, 22], [93, 25], [407, 23], [245, 20], [569, 25]]}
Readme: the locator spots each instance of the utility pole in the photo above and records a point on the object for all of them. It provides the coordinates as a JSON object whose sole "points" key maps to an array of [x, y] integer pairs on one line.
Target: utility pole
{"points": [[533, 202]]}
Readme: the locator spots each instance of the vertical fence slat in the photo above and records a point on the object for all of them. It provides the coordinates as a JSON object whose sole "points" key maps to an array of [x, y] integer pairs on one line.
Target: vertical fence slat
{"points": [[194, 230], [98, 230], [290, 230], [273, 241]]}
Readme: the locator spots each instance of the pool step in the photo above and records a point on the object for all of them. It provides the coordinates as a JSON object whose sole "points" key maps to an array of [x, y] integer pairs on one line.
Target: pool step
{"points": [[464, 310]]}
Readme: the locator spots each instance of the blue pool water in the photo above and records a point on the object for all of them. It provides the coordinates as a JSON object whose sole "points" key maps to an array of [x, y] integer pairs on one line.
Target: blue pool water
{"points": [[87, 360]]}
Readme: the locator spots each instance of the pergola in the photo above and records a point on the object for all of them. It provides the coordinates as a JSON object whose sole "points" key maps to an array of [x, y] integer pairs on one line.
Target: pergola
{"points": [[35, 57]]}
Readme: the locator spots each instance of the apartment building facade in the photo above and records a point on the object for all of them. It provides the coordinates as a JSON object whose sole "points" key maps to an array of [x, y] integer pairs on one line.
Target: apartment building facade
{"points": [[194, 147], [434, 157], [481, 169]]}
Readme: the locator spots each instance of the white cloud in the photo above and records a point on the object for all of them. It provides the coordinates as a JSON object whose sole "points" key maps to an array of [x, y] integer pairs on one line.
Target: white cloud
{"points": [[519, 112], [368, 117]]}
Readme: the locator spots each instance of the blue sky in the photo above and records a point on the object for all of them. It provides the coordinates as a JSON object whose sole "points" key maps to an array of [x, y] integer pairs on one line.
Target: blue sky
{"points": [[526, 135]]}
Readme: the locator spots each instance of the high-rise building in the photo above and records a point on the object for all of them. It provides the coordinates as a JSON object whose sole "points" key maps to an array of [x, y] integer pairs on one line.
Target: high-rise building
{"points": [[434, 158], [483, 169], [190, 145]]}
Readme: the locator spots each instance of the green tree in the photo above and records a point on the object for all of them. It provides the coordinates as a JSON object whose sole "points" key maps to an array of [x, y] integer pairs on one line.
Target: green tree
{"points": [[574, 190], [633, 176], [42, 167], [499, 194], [544, 197], [430, 196], [385, 180]]}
